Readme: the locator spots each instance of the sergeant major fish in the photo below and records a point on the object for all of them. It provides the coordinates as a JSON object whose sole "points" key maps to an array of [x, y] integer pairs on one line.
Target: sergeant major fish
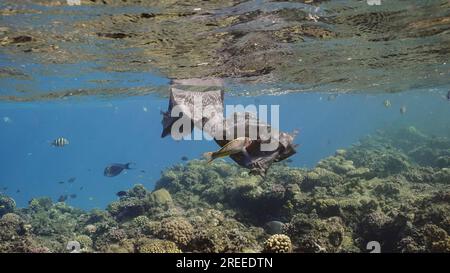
{"points": [[235, 146], [60, 142]]}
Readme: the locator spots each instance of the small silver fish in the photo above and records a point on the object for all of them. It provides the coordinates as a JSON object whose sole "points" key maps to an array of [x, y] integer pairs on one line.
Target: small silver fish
{"points": [[387, 103], [60, 142], [235, 146], [403, 110]]}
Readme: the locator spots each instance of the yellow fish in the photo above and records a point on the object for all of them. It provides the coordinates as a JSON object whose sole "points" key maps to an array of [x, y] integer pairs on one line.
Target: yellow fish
{"points": [[235, 146]]}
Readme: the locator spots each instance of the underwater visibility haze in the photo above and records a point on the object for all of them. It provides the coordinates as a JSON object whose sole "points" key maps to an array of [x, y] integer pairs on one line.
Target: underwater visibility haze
{"points": [[365, 86]]}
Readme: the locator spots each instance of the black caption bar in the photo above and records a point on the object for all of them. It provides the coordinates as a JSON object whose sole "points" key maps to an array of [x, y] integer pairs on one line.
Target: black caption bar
{"points": [[197, 262]]}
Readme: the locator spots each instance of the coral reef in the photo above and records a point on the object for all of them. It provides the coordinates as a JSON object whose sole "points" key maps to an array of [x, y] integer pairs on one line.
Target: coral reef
{"points": [[157, 246], [392, 187], [7, 204]]}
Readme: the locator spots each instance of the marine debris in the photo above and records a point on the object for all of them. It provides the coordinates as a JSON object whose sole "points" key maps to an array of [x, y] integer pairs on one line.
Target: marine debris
{"points": [[248, 141]]}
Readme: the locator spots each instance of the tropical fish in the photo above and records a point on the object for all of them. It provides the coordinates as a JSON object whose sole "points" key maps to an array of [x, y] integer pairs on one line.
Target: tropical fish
{"points": [[61, 182], [403, 110], [91, 198], [60, 142], [274, 227], [115, 169], [71, 180], [184, 158], [448, 95], [235, 146], [81, 188], [121, 193], [387, 103], [62, 198], [73, 196]]}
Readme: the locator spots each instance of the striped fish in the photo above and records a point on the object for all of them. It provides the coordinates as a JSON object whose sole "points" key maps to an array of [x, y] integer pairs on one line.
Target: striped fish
{"points": [[60, 142]]}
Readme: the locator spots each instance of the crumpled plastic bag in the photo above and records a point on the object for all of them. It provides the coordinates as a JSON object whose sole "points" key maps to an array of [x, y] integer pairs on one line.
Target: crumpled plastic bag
{"points": [[183, 94]]}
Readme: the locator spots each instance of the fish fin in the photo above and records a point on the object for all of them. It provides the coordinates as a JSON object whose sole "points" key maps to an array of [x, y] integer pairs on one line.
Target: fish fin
{"points": [[209, 157], [229, 144], [247, 157], [127, 166]]}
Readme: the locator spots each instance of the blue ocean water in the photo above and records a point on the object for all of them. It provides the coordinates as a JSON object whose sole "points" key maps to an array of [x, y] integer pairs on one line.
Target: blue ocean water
{"points": [[127, 129]]}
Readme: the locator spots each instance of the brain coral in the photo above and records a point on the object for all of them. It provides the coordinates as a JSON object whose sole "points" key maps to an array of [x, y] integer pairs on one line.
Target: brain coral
{"points": [[177, 230], [278, 243]]}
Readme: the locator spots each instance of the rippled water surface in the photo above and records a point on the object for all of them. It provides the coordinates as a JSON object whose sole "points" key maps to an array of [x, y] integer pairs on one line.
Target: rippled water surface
{"points": [[51, 50]]}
